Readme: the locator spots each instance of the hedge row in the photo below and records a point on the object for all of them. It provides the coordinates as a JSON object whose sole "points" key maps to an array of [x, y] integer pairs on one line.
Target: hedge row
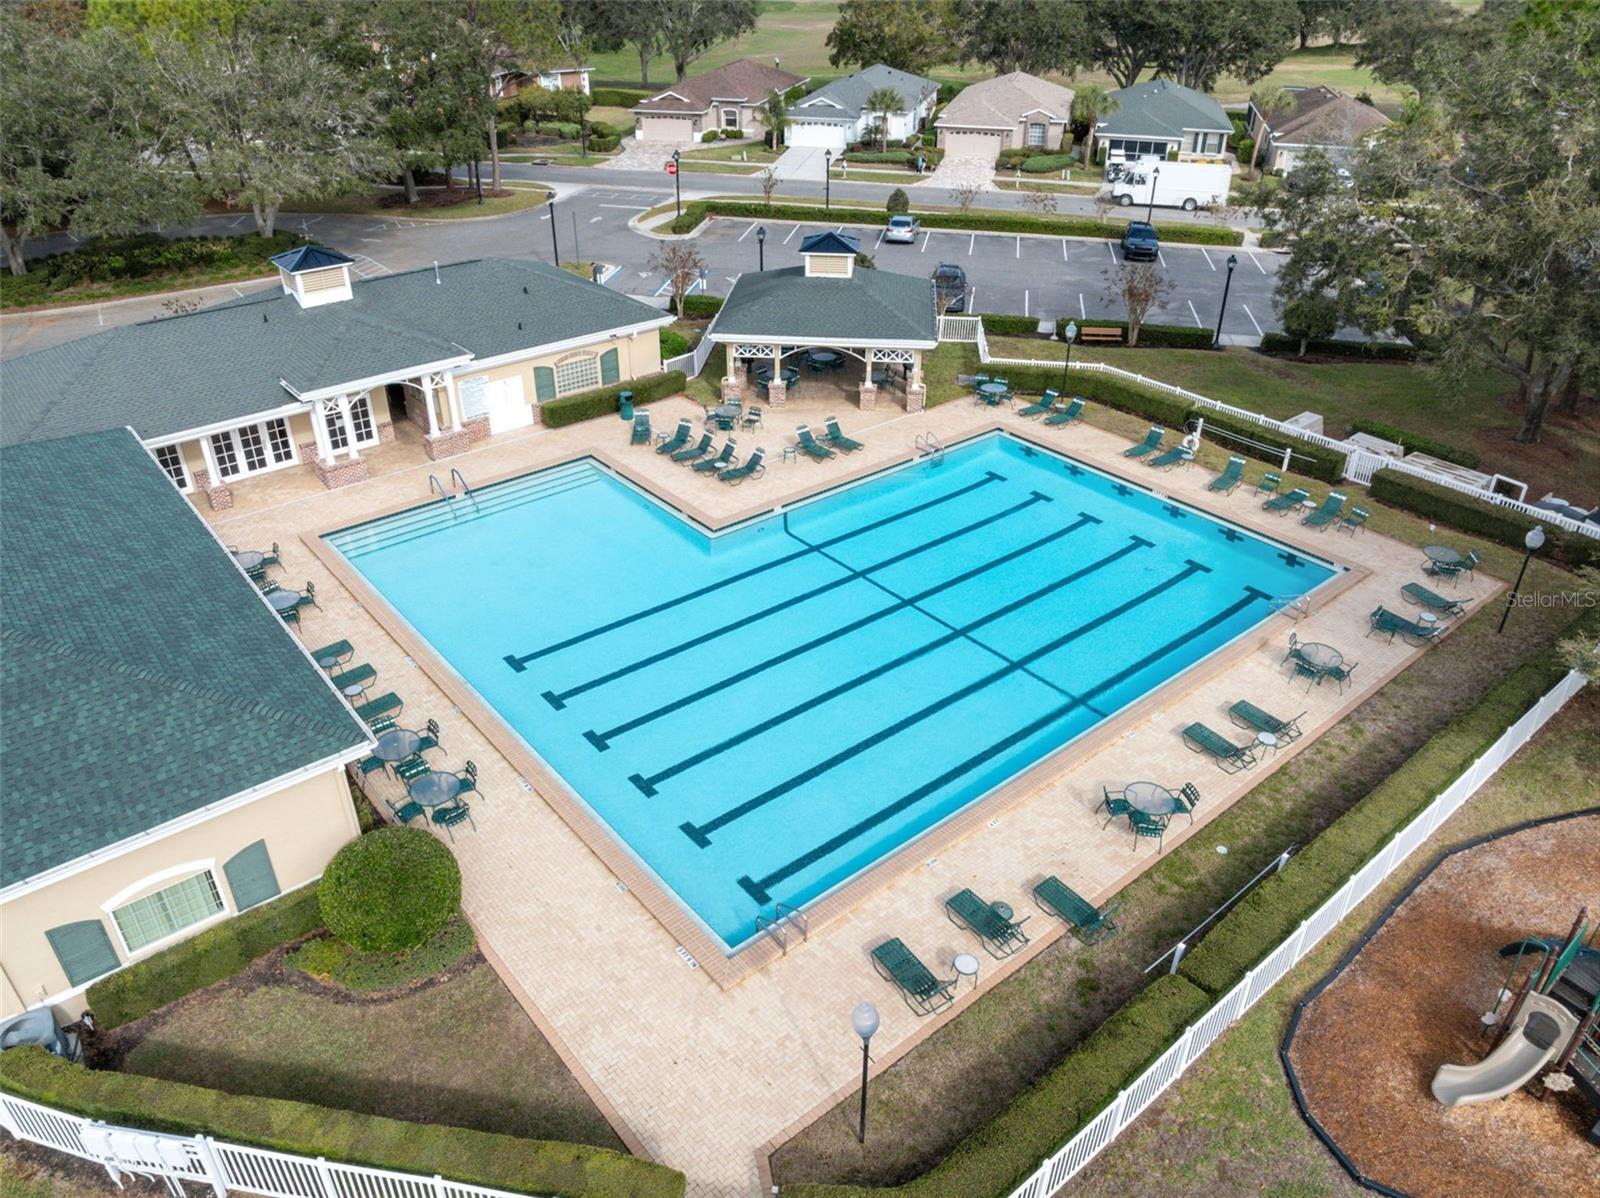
{"points": [[1416, 444], [618, 97], [474, 1157], [985, 221], [1002, 325], [1458, 510], [218, 952], [697, 305], [1383, 351], [1152, 336], [607, 401]]}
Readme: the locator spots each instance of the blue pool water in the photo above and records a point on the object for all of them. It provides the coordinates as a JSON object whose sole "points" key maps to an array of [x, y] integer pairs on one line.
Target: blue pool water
{"points": [[762, 714]]}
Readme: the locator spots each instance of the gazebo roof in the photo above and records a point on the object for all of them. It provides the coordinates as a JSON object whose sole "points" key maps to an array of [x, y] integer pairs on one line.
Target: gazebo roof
{"points": [[310, 257], [830, 243], [871, 307]]}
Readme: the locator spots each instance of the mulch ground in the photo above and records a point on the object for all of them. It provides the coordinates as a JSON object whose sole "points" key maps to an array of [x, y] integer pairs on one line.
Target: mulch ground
{"points": [[1368, 1046]]}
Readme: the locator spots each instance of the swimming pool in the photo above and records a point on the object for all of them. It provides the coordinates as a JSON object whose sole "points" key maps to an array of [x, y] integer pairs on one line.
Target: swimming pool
{"points": [[762, 714]]}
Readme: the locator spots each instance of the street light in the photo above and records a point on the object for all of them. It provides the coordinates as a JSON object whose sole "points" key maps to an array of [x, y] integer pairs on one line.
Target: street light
{"points": [[761, 247], [1534, 540], [555, 249], [827, 180], [1233, 260], [1070, 333], [677, 181], [865, 1020], [1150, 212]]}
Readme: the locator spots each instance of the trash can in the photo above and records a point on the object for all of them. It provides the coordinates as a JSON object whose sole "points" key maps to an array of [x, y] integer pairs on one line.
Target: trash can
{"points": [[625, 405]]}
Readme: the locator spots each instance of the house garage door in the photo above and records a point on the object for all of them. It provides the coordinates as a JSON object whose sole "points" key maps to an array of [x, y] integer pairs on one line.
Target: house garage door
{"points": [[666, 128], [816, 133], [965, 143]]}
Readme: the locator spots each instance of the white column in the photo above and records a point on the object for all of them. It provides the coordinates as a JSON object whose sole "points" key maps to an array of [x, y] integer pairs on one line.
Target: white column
{"points": [[453, 393], [867, 377], [430, 397], [916, 368], [210, 460], [349, 427], [319, 431]]}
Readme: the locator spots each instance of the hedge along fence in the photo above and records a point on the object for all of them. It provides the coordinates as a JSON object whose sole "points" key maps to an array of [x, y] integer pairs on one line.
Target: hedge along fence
{"points": [[1151, 336], [696, 306], [218, 952], [1419, 444], [542, 1167], [983, 222], [1478, 517], [1381, 351], [1002, 325], [607, 401]]}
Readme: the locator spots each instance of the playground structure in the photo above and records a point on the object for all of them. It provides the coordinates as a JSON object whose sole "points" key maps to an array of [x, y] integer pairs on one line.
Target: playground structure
{"points": [[1546, 1024]]}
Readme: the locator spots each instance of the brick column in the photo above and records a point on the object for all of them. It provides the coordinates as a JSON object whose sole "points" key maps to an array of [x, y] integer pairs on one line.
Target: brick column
{"points": [[777, 393], [218, 496], [916, 398], [342, 474], [869, 397], [386, 433], [476, 428], [447, 444], [732, 389]]}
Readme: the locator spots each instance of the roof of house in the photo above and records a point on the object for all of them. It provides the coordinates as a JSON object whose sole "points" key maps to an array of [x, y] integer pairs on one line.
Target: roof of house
{"points": [[870, 305], [1162, 108], [1325, 116], [141, 675], [223, 364], [847, 97], [745, 79], [829, 242], [1003, 101], [310, 257]]}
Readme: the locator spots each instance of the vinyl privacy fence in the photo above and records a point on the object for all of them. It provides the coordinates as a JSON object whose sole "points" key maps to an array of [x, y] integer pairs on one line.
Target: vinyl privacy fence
{"points": [[1170, 1065]]}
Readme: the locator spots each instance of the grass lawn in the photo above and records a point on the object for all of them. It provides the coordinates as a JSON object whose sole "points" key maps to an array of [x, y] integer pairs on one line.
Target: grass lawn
{"points": [[30, 1171], [691, 166], [734, 151], [519, 198]]}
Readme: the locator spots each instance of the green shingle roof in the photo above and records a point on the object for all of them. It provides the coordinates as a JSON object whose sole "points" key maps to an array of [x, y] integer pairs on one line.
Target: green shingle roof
{"points": [[223, 364], [848, 95], [871, 305], [1162, 108], [141, 676]]}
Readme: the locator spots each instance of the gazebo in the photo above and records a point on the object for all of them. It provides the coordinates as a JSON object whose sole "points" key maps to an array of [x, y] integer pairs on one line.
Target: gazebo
{"points": [[830, 309]]}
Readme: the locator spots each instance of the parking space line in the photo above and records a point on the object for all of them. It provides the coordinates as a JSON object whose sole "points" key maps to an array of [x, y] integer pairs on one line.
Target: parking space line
{"points": [[1253, 319], [1111, 252], [1161, 258], [926, 237], [1083, 312], [592, 219], [1025, 311], [971, 241], [1063, 249], [1209, 262], [1194, 314], [972, 301], [1019, 245], [879, 242], [1257, 261], [792, 232], [748, 231], [630, 207]]}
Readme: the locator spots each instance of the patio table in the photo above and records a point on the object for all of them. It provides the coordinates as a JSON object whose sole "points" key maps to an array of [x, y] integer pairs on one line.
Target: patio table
{"points": [[880, 378], [821, 357], [397, 744], [1443, 555], [726, 411], [282, 600], [993, 393], [434, 789], [966, 966], [1150, 798], [1319, 656], [249, 559]]}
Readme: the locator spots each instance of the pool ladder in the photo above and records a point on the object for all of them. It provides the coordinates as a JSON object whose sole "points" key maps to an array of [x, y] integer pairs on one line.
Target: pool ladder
{"points": [[929, 446], [456, 477], [785, 920]]}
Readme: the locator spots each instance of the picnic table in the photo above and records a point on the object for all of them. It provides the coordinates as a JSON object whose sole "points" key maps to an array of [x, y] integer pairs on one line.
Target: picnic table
{"points": [[1150, 798], [435, 788]]}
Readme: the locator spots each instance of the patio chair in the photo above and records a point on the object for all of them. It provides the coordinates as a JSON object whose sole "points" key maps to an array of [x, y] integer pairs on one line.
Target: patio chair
{"points": [[1284, 503], [724, 459], [406, 812], [1230, 758], [752, 468], [1384, 620], [382, 705], [308, 597], [752, 418], [270, 558], [430, 739], [381, 724], [450, 815], [1247, 715], [1415, 592], [679, 439], [1327, 513], [698, 450], [467, 779], [290, 615], [1088, 925], [1355, 521], [1176, 456], [1269, 484], [1341, 674], [362, 673], [1000, 936], [371, 765], [1467, 567], [810, 446], [923, 993], [1114, 807], [338, 653], [1046, 402], [412, 768], [837, 439], [1189, 796], [1067, 415], [1152, 440], [1230, 478], [641, 429], [1148, 827]]}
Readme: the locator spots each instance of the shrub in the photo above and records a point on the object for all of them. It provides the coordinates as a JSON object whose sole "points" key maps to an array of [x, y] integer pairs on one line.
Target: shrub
{"points": [[1041, 164], [618, 97], [335, 961], [1450, 453], [606, 401], [1268, 445], [218, 952], [1002, 325], [604, 145], [731, 134], [709, 135], [390, 890], [1151, 336], [474, 1157], [898, 201], [1170, 411], [697, 306], [673, 343], [1480, 517], [1383, 351], [894, 157]]}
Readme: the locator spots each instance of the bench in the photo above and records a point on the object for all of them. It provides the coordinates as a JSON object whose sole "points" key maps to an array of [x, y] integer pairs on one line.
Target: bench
{"points": [[1100, 333]]}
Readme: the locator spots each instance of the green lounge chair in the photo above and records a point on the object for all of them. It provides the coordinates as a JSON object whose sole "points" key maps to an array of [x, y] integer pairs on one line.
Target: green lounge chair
{"points": [[1176, 456], [1230, 758], [838, 440], [697, 450], [1151, 441], [1284, 503], [810, 446], [1151, 827], [1046, 402], [1327, 513], [355, 677], [1384, 620], [923, 993], [751, 469], [1247, 715], [333, 655], [1269, 484], [1415, 592], [1066, 415], [382, 705], [1001, 937], [1088, 925], [1231, 476], [1355, 521], [722, 460], [641, 429], [678, 440]]}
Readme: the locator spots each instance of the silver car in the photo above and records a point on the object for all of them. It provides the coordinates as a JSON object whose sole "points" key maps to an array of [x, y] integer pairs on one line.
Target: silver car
{"points": [[902, 228]]}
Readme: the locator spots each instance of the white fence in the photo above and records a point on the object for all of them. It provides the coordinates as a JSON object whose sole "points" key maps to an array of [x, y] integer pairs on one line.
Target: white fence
{"points": [[1198, 1036], [693, 362]]}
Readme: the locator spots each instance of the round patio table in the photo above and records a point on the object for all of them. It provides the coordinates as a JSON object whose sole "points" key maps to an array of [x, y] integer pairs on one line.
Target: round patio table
{"points": [[397, 744], [1150, 798], [434, 789], [1267, 740], [966, 965], [249, 559], [283, 600], [880, 378], [994, 391], [821, 357], [727, 411], [1315, 653], [1443, 554]]}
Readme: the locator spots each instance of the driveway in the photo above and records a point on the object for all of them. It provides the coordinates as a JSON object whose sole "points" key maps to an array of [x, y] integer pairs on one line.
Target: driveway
{"points": [[638, 155], [959, 172], [801, 162]]}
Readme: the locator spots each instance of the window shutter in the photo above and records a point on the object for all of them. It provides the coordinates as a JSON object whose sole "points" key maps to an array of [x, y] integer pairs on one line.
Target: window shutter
{"points": [[608, 367], [250, 876], [84, 950], [544, 383]]}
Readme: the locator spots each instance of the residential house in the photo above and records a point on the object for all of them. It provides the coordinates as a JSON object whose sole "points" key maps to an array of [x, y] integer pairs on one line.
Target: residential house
{"points": [[313, 374], [836, 114], [510, 82], [170, 755], [730, 97], [1162, 119], [1323, 118], [1010, 112]]}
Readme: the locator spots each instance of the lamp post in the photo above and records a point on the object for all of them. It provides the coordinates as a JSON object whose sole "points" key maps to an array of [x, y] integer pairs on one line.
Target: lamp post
{"points": [[677, 180], [1150, 211], [555, 248], [1533, 541], [1233, 260], [1070, 333], [827, 180], [761, 247], [865, 1020]]}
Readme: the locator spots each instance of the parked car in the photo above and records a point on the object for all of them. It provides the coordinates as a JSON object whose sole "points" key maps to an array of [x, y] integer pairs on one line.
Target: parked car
{"points": [[950, 287], [1139, 240], [902, 228]]}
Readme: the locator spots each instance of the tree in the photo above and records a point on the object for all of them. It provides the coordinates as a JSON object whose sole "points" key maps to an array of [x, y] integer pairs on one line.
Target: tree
{"points": [[1311, 317], [691, 27], [909, 35], [1037, 36], [1089, 103], [1123, 39], [883, 103], [775, 116], [1192, 43], [1330, 17], [1582, 651], [1270, 101], [500, 33], [681, 262], [1039, 201], [613, 24], [1139, 287], [769, 185], [1394, 33], [965, 195], [898, 201]]}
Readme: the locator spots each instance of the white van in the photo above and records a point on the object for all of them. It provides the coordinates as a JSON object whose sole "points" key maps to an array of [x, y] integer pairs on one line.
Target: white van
{"points": [[1186, 185]]}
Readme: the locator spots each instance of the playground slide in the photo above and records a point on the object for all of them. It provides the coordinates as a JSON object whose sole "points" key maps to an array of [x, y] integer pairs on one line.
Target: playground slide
{"points": [[1542, 1029]]}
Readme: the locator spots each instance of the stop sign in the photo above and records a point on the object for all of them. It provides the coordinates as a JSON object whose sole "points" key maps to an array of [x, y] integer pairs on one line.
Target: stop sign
{"points": [[672, 168]]}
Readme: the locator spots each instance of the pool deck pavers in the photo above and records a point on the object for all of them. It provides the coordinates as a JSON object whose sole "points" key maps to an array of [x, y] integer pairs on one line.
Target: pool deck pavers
{"points": [[708, 1077]]}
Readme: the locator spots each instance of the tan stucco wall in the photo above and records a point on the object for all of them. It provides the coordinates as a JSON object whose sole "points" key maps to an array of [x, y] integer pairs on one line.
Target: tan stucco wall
{"points": [[638, 354], [303, 826]]}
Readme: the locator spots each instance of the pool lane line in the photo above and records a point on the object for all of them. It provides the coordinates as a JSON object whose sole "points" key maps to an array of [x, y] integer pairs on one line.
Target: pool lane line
{"points": [[601, 740], [558, 701], [697, 832], [757, 889], [520, 662]]}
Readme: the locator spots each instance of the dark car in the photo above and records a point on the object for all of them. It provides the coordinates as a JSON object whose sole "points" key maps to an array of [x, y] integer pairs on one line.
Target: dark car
{"points": [[1139, 240], [950, 287]]}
